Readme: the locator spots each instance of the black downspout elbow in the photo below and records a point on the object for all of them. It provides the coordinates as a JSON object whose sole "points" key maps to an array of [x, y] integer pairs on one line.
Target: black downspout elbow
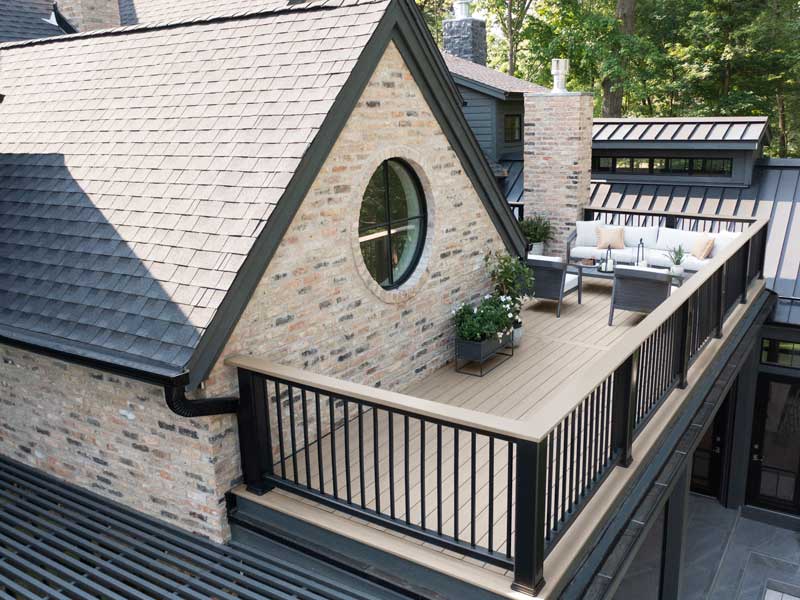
{"points": [[205, 407]]}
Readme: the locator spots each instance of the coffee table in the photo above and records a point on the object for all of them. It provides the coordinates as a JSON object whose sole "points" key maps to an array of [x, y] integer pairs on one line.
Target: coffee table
{"points": [[592, 271]]}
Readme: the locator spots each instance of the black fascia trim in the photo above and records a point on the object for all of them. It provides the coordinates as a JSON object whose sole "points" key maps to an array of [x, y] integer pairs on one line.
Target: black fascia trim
{"points": [[481, 88], [400, 21], [180, 378]]}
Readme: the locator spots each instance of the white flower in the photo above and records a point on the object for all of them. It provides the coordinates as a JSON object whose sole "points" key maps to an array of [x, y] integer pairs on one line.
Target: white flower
{"points": [[475, 310]]}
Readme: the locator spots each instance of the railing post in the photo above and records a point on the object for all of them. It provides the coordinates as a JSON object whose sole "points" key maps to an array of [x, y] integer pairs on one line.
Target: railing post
{"points": [[670, 221], [746, 272], [683, 346], [255, 439], [623, 409], [529, 513], [762, 252], [721, 278]]}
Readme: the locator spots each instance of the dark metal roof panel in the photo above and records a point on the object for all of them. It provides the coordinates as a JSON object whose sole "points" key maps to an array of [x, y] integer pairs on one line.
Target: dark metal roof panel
{"points": [[709, 130], [774, 194]]}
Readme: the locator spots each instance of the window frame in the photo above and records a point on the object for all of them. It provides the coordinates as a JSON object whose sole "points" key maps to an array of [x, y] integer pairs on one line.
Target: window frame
{"points": [[391, 225], [517, 117], [669, 169]]}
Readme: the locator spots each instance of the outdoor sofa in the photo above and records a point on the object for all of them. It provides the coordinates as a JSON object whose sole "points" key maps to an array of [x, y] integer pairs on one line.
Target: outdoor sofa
{"points": [[658, 241]]}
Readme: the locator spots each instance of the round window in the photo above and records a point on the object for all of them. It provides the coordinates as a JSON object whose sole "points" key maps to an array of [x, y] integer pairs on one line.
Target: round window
{"points": [[391, 226]]}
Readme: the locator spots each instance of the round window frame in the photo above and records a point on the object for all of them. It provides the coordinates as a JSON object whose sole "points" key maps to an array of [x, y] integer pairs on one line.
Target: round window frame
{"points": [[423, 220]]}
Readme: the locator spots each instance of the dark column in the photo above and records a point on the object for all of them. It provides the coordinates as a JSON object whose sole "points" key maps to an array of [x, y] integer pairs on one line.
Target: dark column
{"points": [[745, 402], [677, 512]]}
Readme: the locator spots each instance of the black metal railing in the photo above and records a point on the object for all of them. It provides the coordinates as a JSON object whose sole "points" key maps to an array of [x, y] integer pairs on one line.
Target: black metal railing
{"points": [[517, 209], [499, 490]]}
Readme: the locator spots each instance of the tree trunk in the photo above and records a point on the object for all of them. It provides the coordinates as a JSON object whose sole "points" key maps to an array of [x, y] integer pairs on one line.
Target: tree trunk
{"points": [[783, 150], [613, 88], [511, 37]]}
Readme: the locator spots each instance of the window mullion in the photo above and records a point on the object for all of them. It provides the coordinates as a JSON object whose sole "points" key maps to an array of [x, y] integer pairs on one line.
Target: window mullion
{"points": [[388, 222]]}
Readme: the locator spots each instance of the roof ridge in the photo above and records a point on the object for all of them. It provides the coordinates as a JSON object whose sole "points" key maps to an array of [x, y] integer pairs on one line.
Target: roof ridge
{"points": [[291, 6], [714, 119]]}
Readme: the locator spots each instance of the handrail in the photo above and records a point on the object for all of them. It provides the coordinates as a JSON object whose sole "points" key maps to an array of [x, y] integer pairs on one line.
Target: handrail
{"points": [[554, 408], [677, 215], [401, 403]]}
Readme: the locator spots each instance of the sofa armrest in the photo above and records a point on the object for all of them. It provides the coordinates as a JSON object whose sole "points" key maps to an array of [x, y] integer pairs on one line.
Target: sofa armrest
{"points": [[570, 241]]}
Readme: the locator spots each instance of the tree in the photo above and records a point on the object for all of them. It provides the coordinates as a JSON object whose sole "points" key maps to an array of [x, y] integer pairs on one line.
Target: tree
{"points": [[434, 12], [613, 82], [512, 17]]}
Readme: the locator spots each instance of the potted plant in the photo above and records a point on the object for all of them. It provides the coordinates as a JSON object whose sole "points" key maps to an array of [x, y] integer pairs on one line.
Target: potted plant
{"points": [[513, 281], [483, 330], [677, 256], [538, 231]]}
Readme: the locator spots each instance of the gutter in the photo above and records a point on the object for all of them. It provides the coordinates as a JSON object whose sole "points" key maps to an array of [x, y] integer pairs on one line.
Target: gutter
{"points": [[205, 407]]}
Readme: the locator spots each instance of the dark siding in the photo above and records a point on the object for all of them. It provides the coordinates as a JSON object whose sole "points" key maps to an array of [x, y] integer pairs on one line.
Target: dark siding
{"points": [[480, 113], [508, 107]]}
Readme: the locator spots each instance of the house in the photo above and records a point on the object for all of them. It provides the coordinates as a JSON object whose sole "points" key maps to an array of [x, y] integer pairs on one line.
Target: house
{"points": [[232, 238]]}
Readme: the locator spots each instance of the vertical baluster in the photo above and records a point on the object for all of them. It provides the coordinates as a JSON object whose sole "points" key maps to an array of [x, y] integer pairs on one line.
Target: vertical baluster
{"points": [[439, 478], [551, 483], [334, 464], [407, 477], [306, 449], [361, 483], [279, 419], [570, 479], [347, 456], [422, 472], [320, 466], [292, 432], [491, 495], [392, 508], [376, 456], [455, 482], [509, 495], [559, 482], [473, 490]]}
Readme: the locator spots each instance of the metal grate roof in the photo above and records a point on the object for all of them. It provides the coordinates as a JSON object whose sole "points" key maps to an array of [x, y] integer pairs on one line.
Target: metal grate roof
{"points": [[720, 131], [59, 542]]}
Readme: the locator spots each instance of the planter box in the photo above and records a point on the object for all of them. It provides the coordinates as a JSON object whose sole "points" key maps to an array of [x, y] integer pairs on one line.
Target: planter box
{"points": [[481, 352]]}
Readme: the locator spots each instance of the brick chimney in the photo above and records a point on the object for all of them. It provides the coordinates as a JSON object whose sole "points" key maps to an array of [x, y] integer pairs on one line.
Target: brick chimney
{"points": [[464, 35], [558, 156], [86, 15]]}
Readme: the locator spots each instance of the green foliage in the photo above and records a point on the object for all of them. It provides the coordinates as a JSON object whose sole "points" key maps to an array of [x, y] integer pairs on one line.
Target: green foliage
{"points": [[677, 255], [434, 12], [493, 317], [509, 275], [536, 229]]}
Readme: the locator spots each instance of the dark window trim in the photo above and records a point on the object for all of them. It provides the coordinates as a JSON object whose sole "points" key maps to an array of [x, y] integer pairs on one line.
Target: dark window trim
{"points": [[668, 171], [518, 128], [393, 224]]}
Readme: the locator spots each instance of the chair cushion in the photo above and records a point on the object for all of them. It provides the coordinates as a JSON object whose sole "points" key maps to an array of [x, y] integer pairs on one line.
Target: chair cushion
{"points": [[692, 263], [586, 233], [570, 282], [648, 235], [624, 255], [583, 252], [670, 239], [611, 237], [722, 240], [702, 247]]}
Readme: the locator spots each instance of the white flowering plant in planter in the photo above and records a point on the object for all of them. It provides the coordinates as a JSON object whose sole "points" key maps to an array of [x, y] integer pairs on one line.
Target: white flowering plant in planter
{"points": [[492, 318]]}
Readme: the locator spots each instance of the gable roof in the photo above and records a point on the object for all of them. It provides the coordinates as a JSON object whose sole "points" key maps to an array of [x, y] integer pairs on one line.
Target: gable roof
{"points": [[147, 174], [26, 19], [774, 194], [743, 133], [486, 80]]}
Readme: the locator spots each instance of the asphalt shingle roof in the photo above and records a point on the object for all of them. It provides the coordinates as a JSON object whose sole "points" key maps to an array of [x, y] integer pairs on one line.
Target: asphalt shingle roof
{"points": [[138, 168], [26, 19], [490, 77]]}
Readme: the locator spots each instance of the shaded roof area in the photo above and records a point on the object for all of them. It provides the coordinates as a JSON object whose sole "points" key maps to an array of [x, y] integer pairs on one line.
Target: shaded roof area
{"points": [[774, 194], [137, 169], [26, 19], [744, 132], [514, 183], [58, 541], [490, 78]]}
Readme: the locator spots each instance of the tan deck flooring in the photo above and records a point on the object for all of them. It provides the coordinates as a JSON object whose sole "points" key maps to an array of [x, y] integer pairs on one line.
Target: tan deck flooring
{"points": [[552, 350]]}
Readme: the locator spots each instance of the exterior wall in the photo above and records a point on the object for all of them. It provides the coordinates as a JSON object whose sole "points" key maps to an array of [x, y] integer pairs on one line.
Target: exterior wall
{"points": [[508, 107], [91, 14], [116, 437], [481, 116], [558, 160], [317, 307], [465, 38]]}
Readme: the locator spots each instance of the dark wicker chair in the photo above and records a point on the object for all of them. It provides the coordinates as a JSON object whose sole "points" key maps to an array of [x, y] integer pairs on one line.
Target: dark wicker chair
{"points": [[551, 280], [639, 289]]}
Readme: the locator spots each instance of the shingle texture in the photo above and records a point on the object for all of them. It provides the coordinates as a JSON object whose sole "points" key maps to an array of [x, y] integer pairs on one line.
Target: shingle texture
{"points": [[487, 76], [135, 12], [710, 129], [26, 19], [136, 170], [774, 194]]}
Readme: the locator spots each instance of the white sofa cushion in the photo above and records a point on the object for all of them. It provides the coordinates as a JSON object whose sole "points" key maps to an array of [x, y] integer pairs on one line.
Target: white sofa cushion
{"points": [[669, 239], [722, 240], [570, 282], [660, 258], [584, 252], [648, 235], [554, 259], [586, 233]]}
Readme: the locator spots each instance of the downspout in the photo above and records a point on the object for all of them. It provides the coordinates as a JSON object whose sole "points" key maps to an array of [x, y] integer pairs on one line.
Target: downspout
{"points": [[204, 407]]}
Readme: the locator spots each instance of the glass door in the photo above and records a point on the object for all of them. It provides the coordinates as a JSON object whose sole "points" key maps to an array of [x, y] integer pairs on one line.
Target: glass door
{"points": [[775, 445]]}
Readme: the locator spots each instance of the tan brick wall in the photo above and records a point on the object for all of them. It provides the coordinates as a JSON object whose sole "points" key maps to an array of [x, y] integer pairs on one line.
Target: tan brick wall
{"points": [[317, 307], [87, 15], [558, 160], [116, 437]]}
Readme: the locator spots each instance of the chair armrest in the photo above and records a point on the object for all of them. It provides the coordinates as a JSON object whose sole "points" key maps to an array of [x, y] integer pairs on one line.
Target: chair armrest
{"points": [[571, 240]]}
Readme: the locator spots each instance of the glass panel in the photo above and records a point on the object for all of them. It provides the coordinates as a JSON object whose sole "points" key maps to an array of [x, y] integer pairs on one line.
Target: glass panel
{"points": [[696, 167], [373, 207], [512, 125], [781, 450], [624, 165], [405, 241], [643, 578], [375, 250], [679, 165], [404, 201], [641, 165], [659, 165], [783, 354], [717, 166], [602, 164]]}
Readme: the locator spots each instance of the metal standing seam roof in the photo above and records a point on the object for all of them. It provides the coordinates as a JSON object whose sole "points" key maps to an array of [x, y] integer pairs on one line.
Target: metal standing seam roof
{"points": [[774, 193], [60, 542], [489, 77], [138, 167], [709, 130], [26, 19]]}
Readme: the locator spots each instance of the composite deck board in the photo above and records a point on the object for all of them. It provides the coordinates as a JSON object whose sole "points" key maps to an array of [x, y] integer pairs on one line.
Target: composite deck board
{"points": [[552, 351]]}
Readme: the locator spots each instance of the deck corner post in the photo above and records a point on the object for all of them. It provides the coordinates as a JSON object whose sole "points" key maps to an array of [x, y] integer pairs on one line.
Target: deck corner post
{"points": [[722, 277], [683, 347], [255, 443], [623, 410], [746, 271], [529, 512]]}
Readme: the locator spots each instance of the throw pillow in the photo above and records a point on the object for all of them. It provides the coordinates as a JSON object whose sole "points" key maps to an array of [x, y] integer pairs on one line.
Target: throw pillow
{"points": [[613, 237], [702, 247]]}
